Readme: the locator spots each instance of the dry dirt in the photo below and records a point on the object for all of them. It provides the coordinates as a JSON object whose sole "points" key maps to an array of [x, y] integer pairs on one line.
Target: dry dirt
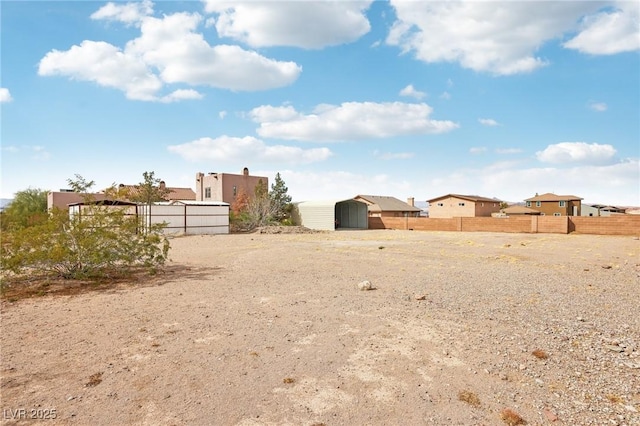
{"points": [[271, 329]]}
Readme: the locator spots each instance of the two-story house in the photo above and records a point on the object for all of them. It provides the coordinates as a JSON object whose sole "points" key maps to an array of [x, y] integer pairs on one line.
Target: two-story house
{"points": [[555, 205], [226, 186]]}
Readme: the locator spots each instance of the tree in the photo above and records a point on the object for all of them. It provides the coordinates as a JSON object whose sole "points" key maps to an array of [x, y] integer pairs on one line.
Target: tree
{"points": [[28, 207], [241, 202], [103, 241], [260, 210], [280, 199], [147, 192]]}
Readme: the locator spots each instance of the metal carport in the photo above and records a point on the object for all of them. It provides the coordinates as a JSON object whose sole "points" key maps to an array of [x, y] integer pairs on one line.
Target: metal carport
{"points": [[328, 215]]}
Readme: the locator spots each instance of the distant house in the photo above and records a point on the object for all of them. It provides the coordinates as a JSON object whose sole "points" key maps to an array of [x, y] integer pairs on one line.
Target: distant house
{"points": [[384, 206], [225, 187], [63, 198], [456, 205], [173, 193], [517, 210], [555, 205], [601, 210]]}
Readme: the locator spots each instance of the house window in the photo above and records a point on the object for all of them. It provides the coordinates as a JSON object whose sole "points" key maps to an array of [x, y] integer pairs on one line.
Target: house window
{"points": [[440, 204], [460, 204], [538, 203], [528, 203], [235, 190], [557, 214], [562, 203], [481, 204], [207, 192]]}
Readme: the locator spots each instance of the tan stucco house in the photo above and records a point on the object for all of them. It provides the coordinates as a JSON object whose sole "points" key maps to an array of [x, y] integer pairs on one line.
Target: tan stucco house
{"points": [[555, 205], [456, 205], [385, 206], [63, 198], [226, 186]]}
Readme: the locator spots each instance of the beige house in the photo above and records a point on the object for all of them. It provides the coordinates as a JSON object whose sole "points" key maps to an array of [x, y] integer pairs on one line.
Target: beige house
{"points": [[517, 210], [226, 186], [62, 199], [555, 205], [456, 205], [385, 206]]}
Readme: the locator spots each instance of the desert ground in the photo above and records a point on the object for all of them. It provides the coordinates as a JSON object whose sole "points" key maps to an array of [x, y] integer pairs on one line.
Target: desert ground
{"points": [[272, 329]]}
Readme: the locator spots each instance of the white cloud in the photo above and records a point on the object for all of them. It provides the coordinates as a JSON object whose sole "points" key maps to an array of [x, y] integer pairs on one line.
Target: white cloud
{"points": [[184, 56], [180, 95], [40, 153], [172, 47], [610, 32], [105, 65], [598, 106], [227, 148], [332, 185], [10, 148], [577, 152], [500, 38], [128, 13], [309, 25], [609, 184], [393, 155], [349, 121], [412, 92], [5, 95], [508, 150], [222, 115], [445, 95], [489, 122], [477, 150]]}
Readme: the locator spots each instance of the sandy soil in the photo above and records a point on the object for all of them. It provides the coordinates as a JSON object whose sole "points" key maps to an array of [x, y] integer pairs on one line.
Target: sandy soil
{"points": [[271, 329]]}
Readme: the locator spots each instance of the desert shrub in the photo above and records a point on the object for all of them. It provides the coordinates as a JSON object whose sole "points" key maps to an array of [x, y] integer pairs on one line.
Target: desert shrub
{"points": [[28, 208], [99, 241], [106, 242]]}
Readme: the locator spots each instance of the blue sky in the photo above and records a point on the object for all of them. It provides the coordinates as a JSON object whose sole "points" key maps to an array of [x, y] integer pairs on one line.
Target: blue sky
{"points": [[400, 98]]}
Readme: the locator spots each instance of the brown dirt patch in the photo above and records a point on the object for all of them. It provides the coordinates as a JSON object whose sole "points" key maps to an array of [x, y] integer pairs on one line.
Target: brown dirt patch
{"points": [[265, 329]]}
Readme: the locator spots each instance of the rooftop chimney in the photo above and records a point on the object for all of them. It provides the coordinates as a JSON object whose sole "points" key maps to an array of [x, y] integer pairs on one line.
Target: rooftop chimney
{"points": [[411, 201], [245, 171]]}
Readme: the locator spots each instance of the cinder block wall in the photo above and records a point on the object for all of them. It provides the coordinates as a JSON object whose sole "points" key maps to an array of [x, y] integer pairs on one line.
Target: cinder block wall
{"points": [[606, 225], [612, 225]]}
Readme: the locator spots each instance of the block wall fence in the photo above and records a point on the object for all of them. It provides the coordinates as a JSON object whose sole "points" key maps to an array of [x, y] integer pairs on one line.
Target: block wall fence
{"points": [[611, 225]]}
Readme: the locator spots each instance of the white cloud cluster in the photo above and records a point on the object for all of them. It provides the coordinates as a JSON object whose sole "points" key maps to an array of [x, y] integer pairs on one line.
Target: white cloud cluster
{"points": [[348, 121], [309, 25], [393, 155], [475, 150], [598, 106], [35, 152], [609, 32], [411, 91], [169, 50], [516, 182], [577, 152], [227, 148], [5, 95], [489, 122], [129, 13], [331, 185], [502, 37]]}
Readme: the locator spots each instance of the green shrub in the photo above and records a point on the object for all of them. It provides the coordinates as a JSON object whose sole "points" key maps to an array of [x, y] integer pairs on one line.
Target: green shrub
{"points": [[103, 242]]}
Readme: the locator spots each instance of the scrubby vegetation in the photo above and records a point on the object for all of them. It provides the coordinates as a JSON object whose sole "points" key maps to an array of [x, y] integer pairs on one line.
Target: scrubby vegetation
{"points": [[99, 241], [264, 208]]}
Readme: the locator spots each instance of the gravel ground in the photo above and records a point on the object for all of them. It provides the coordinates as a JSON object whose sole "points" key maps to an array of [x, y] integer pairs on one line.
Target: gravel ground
{"points": [[272, 329]]}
